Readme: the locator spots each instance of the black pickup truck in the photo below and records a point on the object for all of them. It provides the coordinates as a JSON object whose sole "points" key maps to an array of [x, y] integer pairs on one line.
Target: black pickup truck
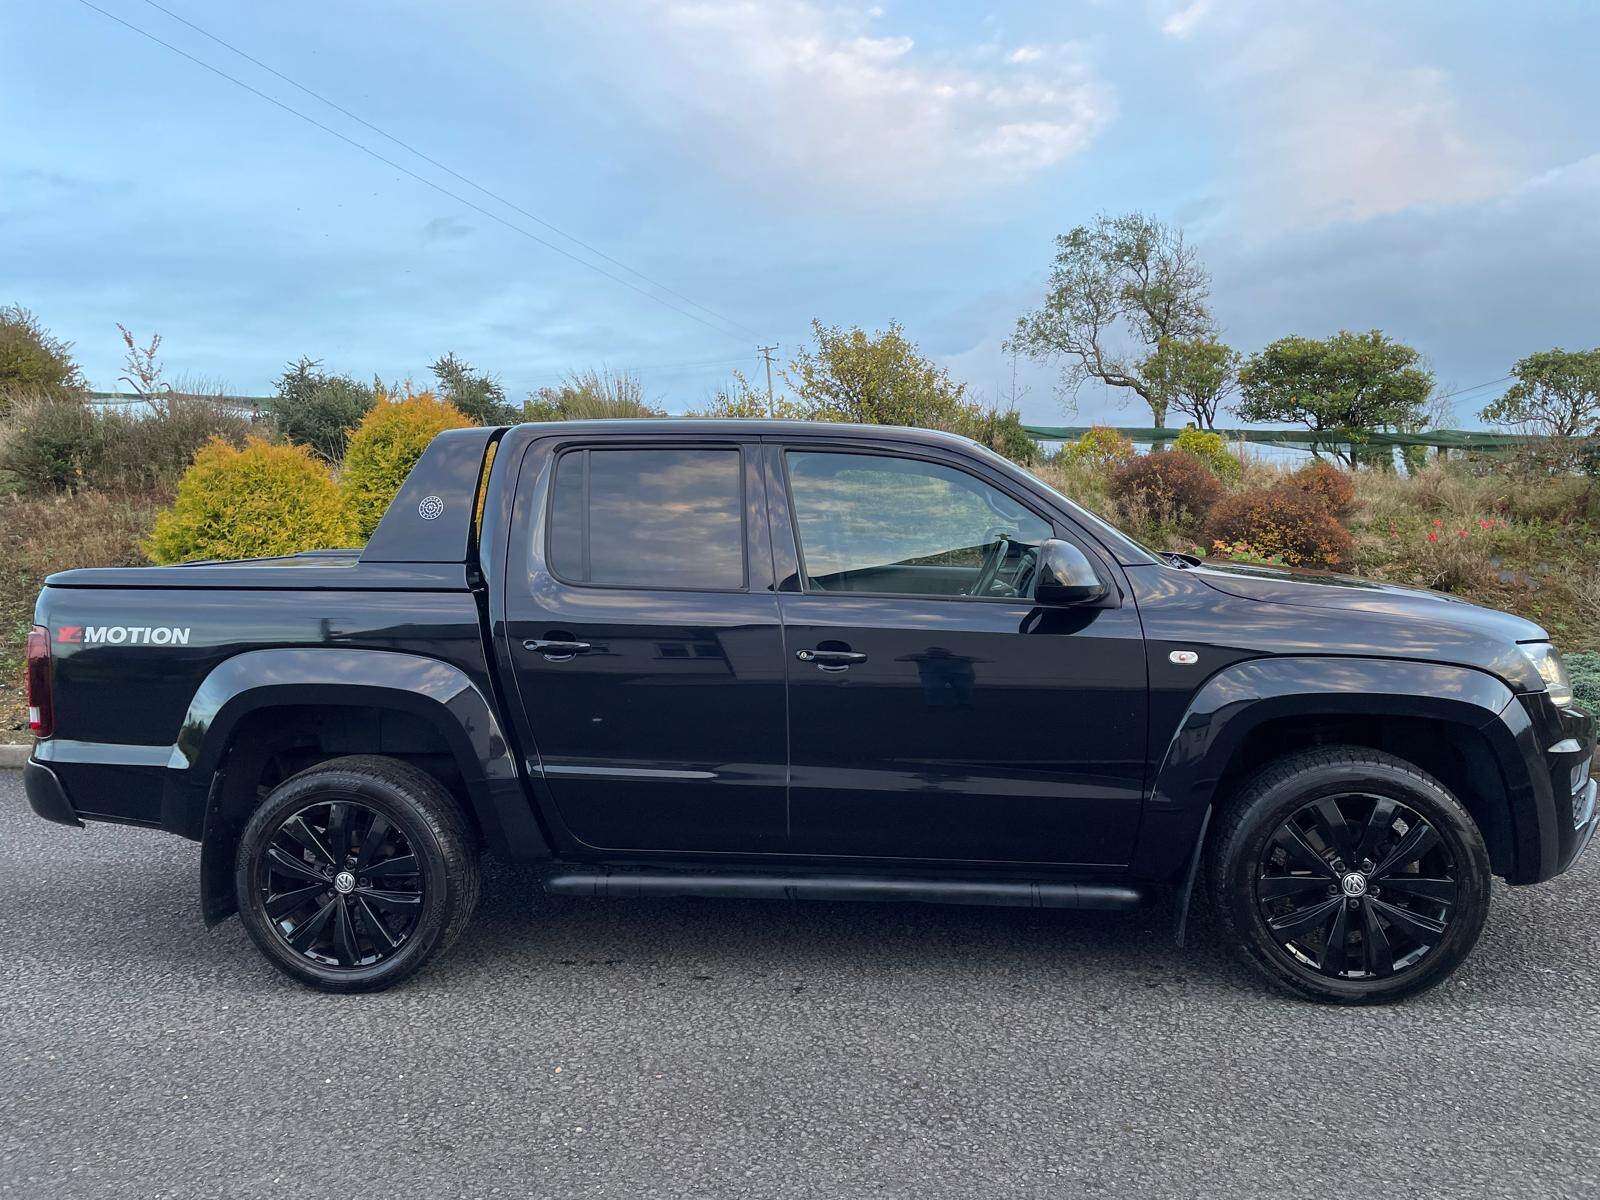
{"points": [[788, 660]]}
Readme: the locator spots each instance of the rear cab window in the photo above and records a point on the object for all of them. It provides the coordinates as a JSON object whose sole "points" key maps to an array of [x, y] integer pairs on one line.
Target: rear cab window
{"points": [[649, 518]]}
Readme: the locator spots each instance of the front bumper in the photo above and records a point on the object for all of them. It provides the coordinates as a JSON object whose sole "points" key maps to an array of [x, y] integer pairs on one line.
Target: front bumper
{"points": [[1551, 790]]}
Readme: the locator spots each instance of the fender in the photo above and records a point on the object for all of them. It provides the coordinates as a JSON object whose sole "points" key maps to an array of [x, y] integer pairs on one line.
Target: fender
{"points": [[375, 679], [1241, 698]]}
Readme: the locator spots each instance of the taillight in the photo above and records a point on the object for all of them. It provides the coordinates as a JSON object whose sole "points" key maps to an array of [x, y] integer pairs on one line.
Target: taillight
{"points": [[41, 704]]}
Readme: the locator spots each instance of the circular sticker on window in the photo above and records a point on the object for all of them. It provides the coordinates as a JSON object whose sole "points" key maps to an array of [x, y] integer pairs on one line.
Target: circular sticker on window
{"points": [[431, 508]]}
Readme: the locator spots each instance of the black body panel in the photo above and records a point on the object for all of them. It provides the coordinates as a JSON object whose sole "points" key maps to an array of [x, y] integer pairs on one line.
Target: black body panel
{"points": [[980, 738]]}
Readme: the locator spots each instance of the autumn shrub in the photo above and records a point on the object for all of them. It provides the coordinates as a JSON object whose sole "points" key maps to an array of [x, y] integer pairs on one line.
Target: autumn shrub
{"points": [[1282, 520], [1210, 448], [50, 442], [1176, 486], [606, 396], [1327, 483], [1002, 432], [40, 535], [1101, 446], [56, 442], [1454, 556], [1558, 500], [1241, 552], [384, 448], [252, 502], [142, 451]]}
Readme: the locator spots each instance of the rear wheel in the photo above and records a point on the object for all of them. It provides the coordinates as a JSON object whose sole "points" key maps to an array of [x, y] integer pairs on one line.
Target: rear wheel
{"points": [[353, 874], [1350, 876]]}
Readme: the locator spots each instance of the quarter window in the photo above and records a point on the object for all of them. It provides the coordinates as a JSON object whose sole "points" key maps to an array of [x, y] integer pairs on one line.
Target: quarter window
{"points": [[901, 526], [649, 519]]}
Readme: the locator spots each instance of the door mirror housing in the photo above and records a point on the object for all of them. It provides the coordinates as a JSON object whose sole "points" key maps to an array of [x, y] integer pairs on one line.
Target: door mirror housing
{"points": [[1066, 576]]}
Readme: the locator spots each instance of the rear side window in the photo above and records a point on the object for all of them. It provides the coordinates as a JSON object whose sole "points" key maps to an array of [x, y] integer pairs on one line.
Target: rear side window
{"points": [[649, 519]]}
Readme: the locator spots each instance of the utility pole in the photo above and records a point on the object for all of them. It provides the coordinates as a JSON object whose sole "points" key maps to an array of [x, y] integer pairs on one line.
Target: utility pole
{"points": [[766, 354]]}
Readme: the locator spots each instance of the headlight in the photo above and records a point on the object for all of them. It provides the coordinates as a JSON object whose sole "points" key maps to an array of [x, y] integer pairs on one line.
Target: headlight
{"points": [[1552, 670]]}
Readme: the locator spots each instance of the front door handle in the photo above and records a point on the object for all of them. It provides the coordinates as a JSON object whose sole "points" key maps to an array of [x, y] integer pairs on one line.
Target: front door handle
{"points": [[831, 660], [556, 651]]}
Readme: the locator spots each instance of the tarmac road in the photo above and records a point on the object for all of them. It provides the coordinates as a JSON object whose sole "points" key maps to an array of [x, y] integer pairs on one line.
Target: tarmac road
{"points": [[575, 1048]]}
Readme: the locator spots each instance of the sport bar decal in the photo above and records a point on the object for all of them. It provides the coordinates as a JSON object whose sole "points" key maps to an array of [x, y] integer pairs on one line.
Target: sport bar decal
{"points": [[122, 635]]}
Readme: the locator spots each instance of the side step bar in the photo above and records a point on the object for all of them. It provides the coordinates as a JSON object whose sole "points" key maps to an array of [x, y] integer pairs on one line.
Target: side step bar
{"points": [[618, 883]]}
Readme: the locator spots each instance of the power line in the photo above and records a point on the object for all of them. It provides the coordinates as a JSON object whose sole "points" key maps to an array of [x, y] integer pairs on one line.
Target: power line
{"points": [[534, 217], [1474, 388], [388, 162], [678, 366]]}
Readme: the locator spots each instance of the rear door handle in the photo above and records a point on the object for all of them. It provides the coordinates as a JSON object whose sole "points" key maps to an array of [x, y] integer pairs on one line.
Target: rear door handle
{"points": [[831, 659], [555, 651]]}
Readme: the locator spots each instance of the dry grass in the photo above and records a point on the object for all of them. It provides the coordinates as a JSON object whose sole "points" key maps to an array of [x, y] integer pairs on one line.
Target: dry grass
{"points": [[56, 533], [1521, 541]]}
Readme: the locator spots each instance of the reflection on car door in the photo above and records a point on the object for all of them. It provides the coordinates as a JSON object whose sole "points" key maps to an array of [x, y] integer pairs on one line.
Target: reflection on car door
{"points": [[935, 712]]}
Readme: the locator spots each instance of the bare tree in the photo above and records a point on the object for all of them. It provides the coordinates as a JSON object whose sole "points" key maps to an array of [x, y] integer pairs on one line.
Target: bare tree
{"points": [[142, 371]]}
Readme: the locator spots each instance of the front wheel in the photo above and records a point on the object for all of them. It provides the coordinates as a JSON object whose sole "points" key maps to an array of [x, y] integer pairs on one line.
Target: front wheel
{"points": [[1349, 876], [353, 874]]}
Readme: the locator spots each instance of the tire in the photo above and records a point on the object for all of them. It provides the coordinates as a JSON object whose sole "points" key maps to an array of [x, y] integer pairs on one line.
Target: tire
{"points": [[367, 914], [1372, 931]]}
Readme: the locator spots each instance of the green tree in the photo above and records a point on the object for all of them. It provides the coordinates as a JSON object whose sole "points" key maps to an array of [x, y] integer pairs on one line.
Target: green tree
{"points": [[878, 379], [1556, 393], [315, 408], [1193, 376], [477, 394], [1339, 387], [31, 360], [1119, 287], [740, 398], [883, 379], [590, 396]]}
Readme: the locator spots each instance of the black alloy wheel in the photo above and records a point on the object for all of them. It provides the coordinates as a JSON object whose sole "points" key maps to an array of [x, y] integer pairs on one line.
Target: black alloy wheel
{"points": [[341, 884], [353, 874], [1348, 875], [1357, 886]]}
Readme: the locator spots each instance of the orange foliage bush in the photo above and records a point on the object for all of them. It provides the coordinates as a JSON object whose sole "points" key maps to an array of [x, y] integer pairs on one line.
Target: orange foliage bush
{"points": [[1173, 483], [1283, 520], [1326, 482]]}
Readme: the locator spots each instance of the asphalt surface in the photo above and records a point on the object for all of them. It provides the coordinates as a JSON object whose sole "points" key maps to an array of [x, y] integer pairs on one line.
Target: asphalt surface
{"points": [[706, 1048]]}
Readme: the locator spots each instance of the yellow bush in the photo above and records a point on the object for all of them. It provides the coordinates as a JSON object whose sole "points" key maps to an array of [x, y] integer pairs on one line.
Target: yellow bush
{"points": [[1212, 449], [1101, 446], [384, 448], [261, 500]]}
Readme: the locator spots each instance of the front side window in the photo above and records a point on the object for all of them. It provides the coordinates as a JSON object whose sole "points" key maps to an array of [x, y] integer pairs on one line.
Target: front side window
{"points": [[649, 519], [900, 526]]}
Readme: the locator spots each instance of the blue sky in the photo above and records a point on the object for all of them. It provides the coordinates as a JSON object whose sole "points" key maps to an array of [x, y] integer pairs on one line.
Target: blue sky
{"points": [[1430, 169]]}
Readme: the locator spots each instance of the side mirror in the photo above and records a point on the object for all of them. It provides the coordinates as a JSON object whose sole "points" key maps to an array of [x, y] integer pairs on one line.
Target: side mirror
{"points": [[1066, 576]]}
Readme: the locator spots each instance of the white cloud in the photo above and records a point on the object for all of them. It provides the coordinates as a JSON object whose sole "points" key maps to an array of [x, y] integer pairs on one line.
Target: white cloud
{"points": [[1183, 21], [1332, 119], [798, 98]]}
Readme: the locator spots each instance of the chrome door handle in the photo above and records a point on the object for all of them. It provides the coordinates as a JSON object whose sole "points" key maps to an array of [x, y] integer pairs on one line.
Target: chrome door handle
{"points": [[556, 651], [834, 660]]}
